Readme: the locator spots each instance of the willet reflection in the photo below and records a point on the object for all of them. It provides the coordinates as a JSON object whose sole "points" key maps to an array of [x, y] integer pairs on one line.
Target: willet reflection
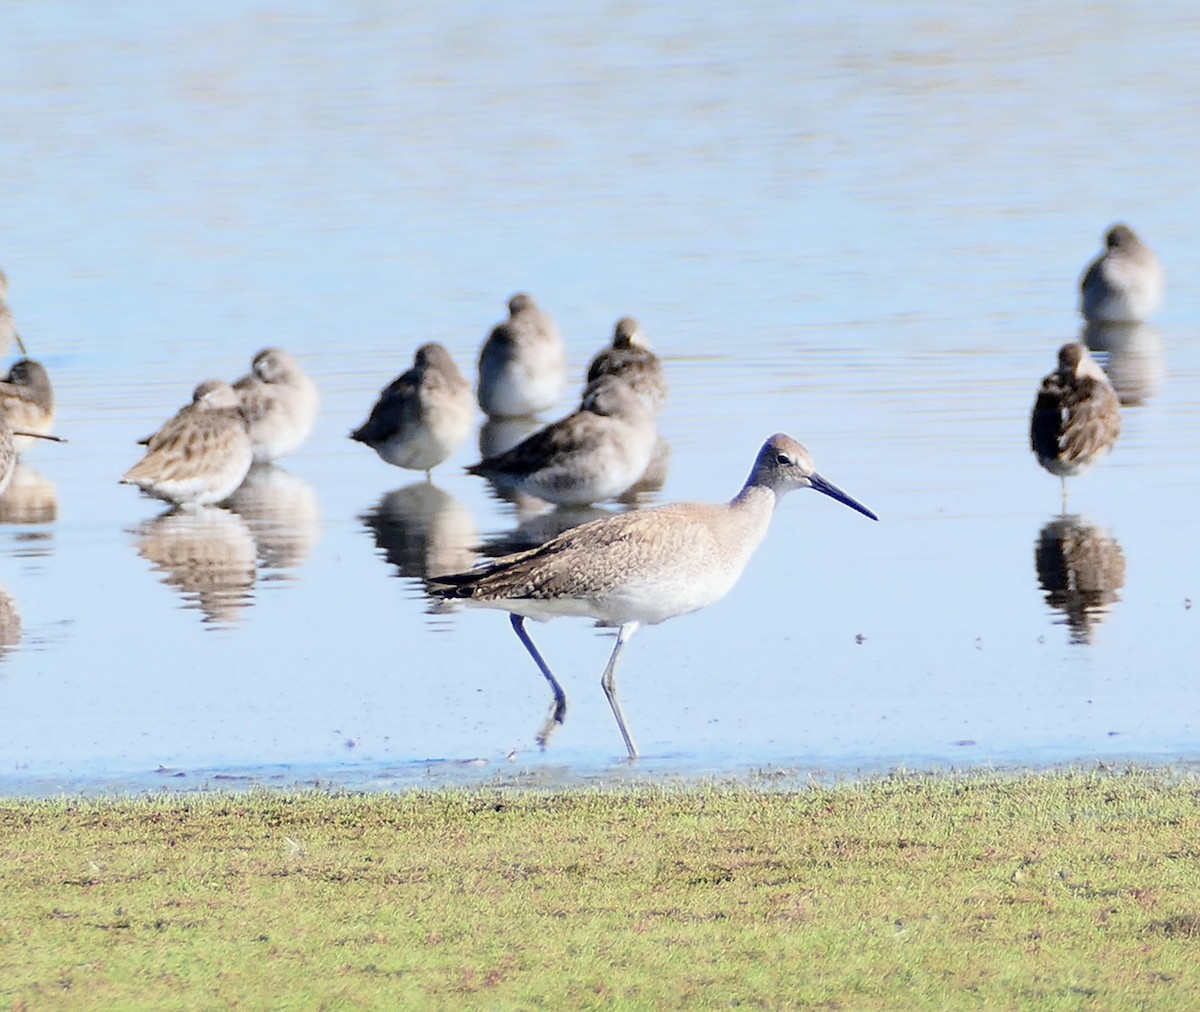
{"points": [[30, 498], [535, 529], [10, 622], [423, 530], [1081, 569], [283, 514], [207, 553], [1134, 359]]}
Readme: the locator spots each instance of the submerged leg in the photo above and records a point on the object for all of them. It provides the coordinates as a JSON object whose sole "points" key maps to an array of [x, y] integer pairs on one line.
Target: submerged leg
{"points": [[559, 709], [609, 683]]}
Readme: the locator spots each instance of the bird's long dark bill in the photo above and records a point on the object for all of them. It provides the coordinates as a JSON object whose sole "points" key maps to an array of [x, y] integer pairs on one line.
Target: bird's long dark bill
{"points": [[831, 490]]}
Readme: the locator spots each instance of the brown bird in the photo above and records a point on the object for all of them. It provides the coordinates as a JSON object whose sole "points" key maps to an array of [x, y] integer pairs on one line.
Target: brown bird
{"points": [[1077, 417]]}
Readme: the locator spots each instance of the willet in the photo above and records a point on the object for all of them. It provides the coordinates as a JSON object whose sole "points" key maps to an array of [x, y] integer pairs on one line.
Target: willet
{"points": [[422, 416], [642, 567], [27, 401], [591, 455], [523, 363], [630, 358], [8, 326], [1076, 418], [1125, 283], [279, 401], [202, 454]]}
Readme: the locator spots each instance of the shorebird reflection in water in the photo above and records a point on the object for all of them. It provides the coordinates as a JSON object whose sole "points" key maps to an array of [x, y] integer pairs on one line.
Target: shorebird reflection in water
{"points": [[1076, 418], [642, 567]]}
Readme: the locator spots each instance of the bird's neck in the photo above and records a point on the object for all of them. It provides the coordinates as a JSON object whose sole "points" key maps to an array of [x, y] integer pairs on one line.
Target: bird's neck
{"points": [[756, 501]]}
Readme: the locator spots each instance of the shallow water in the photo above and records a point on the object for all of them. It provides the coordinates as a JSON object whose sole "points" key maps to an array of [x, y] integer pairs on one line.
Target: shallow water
{"points": [[864, 229]]}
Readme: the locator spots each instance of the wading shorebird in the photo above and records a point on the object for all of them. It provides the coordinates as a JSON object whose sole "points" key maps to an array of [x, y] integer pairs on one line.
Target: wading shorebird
{"points": [[630, 358], [279, 401], [1076, 418], [523, 363], [27, 402], [202, 454], [592, 454], [1125, 283], [639, 568], [423, 415]]}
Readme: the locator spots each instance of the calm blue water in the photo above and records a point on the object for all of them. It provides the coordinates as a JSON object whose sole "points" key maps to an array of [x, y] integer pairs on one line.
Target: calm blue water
{"points": [[860, 226]]}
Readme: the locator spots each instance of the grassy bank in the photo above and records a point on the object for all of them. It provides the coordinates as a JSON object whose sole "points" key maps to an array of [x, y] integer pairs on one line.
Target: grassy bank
{"points": [[1056, 891]]}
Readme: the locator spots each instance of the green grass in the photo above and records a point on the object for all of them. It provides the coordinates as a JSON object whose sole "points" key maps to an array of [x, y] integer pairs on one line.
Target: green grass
{"points": [[1045, 891]]}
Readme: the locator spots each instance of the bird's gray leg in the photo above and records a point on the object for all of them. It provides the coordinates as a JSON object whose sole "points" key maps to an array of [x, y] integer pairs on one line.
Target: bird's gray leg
{"points": [[608, 682], [559, 709]]}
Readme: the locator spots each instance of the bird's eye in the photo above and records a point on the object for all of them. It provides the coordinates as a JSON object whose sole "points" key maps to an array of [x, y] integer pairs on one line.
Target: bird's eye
{"points": [[782, 458]]}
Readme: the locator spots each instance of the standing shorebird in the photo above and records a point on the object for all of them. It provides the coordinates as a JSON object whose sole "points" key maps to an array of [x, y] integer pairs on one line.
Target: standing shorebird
{"points": [[279, 401], [27, 401], [202, 454], [523, 363], [593, 454], [1077, 417], [642, 567], [630, 358], [8, 326], [1125, 283], [423, 415]]}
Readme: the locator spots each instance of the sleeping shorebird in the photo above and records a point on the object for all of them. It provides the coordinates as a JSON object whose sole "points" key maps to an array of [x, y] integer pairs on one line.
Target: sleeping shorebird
{"points": [[639, 568], [202, 454], [630, 358], [523, 363], [1077, 417], [279, 401], [27, 401], [1125, 283], [593, 454], [423, 415]]}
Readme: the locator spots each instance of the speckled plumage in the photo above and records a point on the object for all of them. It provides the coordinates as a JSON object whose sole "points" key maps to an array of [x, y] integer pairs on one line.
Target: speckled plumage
{"points": [[1076, 417], [202, 454], [523, 363], [642, 567], [27, 401], [593, 454], [279, 401], [423, 415], [630, 358], [1125, 284]]}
